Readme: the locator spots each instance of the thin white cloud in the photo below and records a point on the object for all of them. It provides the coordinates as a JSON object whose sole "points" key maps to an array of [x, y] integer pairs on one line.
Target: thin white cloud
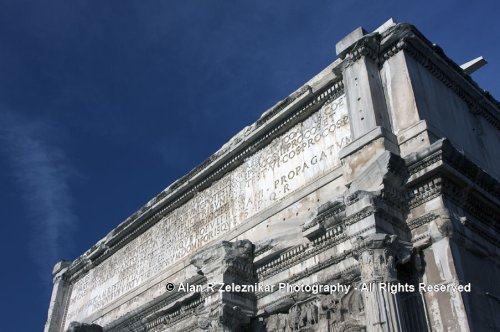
{"points": [[41, 174]]}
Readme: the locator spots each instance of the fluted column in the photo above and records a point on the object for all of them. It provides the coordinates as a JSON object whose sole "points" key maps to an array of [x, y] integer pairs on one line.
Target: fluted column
{"points": [[376, 256]]}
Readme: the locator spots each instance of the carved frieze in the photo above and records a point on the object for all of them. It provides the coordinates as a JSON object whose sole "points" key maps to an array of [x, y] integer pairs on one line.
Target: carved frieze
{"points": [[332, 312]]}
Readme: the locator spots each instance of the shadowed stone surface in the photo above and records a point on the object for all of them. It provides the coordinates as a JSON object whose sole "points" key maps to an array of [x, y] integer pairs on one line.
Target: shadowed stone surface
{"points": [[81, 327]]}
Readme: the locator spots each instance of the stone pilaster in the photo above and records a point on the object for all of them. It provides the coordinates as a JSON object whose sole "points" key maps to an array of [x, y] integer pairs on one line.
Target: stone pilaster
{"points": [[58, 300], [376, 254], [368, 115], [225, 264], [365, 95]]}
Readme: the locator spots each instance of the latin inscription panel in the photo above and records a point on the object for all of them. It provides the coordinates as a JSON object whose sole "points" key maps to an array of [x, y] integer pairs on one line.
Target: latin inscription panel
{"points": [[305, 152]]}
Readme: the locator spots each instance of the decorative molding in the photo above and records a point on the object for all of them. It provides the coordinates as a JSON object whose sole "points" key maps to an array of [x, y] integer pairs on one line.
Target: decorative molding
{"points": [[368, 46], [443, 151], [420, 237], [174, 196], [153, 307], [329, 210], [461, 195], [475, 206], [422, 220], [229, 259], [424, 192], [170, 318], [364, 213], [425, 162], [455, 177], [406, 37], [302, 252], [364, 230], [351, 271]]}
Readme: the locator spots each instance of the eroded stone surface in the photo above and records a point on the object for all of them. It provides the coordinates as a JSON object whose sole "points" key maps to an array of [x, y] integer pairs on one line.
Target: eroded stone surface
{"points": [[303, 153], [380, 171]]}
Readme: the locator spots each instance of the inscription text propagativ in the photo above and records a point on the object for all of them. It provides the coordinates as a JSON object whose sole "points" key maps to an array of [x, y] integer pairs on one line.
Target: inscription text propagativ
{"points": [[292, 160]]}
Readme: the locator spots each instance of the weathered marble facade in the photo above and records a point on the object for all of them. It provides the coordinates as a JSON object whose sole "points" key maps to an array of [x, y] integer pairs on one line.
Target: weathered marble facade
{"points": [[377, 177]]}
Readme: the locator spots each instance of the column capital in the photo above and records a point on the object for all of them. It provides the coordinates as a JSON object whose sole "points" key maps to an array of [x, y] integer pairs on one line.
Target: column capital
{"points": [[376, 254]]}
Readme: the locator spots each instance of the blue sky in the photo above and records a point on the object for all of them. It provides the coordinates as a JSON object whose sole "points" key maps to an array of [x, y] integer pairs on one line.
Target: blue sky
{"points": [[105, 103]]}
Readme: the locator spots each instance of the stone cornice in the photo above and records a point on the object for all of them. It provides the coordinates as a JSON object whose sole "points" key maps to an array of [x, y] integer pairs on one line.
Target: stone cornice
{"points": [[422, 220], [380, 47], [273, 123], [168, 304], [302, 252], [443, 155], [442, 171], [327, 211], [168, 318], [367, 46], [406, 37]]}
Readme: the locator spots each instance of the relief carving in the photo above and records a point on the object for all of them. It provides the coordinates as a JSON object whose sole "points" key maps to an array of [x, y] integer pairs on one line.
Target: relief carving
{"points": [[303, 316], [344, 313], [223, 318], [333, 312], [376, 255], [277, 323]]}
